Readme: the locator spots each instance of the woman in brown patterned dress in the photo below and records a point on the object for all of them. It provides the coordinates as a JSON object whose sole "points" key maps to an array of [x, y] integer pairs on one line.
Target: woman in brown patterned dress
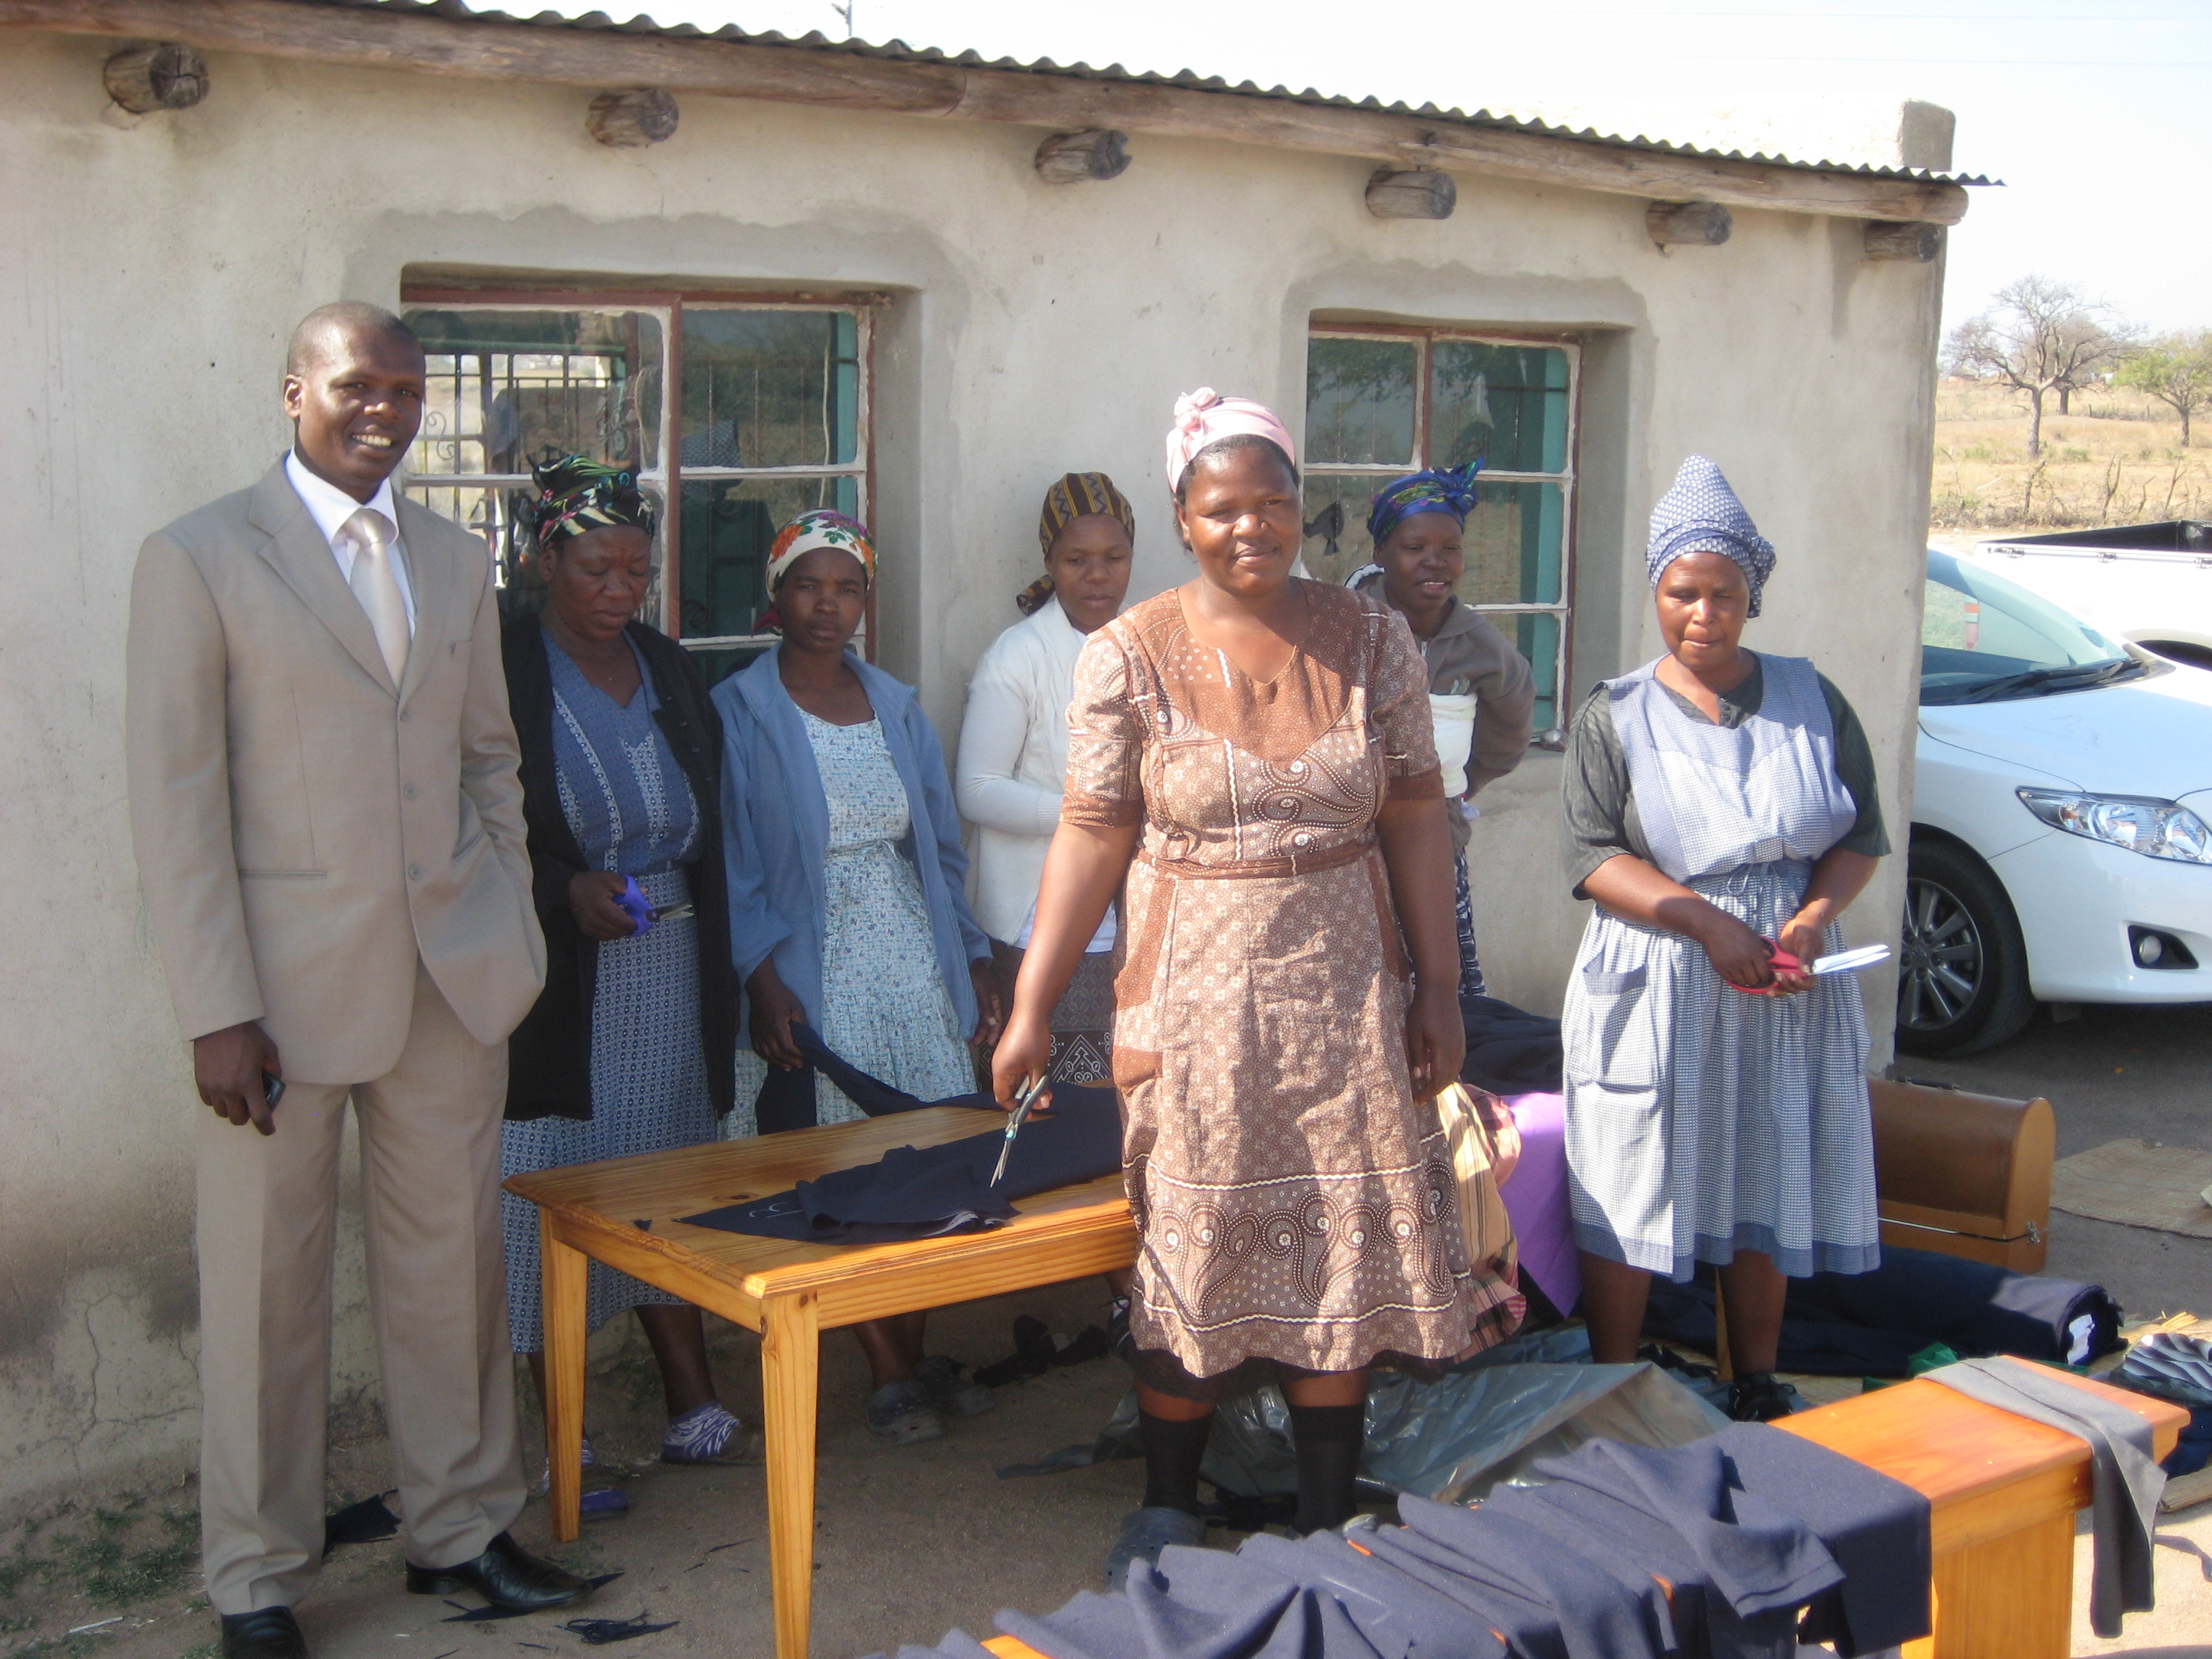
{"points": [[1254, 756]]}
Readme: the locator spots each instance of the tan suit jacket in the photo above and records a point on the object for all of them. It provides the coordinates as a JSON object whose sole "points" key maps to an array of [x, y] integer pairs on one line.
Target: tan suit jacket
{"points": [[305, 829]]}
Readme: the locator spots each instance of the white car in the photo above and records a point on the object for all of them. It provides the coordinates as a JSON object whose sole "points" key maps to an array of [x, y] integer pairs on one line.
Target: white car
{"points": [[2061, 819]]}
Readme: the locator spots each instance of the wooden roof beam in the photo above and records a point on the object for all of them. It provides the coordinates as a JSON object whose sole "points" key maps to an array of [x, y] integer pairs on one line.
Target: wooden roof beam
{"points": [[600, 59]]}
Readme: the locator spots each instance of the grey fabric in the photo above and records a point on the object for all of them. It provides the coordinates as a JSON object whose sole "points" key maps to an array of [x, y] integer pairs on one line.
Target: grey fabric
{"points": [[1602, 820], [2126, 1481]]}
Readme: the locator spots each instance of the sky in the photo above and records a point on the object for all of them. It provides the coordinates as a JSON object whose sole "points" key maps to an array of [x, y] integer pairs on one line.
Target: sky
{"points": [[2092, 114]]}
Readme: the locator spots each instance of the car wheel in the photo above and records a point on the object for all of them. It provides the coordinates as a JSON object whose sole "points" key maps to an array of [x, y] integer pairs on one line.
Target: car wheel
{"points": [[1962, 981]]}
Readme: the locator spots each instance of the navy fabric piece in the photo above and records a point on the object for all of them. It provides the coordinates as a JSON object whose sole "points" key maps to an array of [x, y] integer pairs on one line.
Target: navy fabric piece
{"points": [[1197, 1604], [1508, 1051], [1401, 1618], [1755, 1554], [1875, 1528], [2126, 1480], [924, 1192], [786, 1100], [1526, 1625], [1704, 1624], [1605, 1609], [1871, 1324]]}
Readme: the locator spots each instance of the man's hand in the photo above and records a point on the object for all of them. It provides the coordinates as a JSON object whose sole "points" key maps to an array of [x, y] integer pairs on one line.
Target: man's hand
{"points": [[229, 1066], [592, 895]]}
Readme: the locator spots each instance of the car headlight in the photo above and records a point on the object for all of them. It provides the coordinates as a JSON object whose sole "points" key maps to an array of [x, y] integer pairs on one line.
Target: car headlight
{"points": [[2156, 829]]}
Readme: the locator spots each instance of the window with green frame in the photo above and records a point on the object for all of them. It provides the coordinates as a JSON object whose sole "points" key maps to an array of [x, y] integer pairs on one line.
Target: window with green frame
{"points": [[745, 413], [1381, 402]]}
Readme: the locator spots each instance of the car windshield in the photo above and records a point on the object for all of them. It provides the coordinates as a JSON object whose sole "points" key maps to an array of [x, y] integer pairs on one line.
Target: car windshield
{"points": [[1984, 638]]}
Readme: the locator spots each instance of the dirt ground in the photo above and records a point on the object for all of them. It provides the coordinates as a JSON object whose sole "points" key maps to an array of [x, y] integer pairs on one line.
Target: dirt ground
{"points": [[914, 1541]]}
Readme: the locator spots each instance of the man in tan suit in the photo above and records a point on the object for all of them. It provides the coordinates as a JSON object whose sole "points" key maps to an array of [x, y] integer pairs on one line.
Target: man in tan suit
{"points": [[329, 829]]}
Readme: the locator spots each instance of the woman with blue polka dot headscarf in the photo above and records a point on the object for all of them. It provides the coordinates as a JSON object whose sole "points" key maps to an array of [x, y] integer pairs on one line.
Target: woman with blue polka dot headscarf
{"points": [[1720, 810]]}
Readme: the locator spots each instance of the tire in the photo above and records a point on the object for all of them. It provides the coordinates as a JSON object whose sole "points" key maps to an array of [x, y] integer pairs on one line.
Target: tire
{"points": [[1962, 979]]}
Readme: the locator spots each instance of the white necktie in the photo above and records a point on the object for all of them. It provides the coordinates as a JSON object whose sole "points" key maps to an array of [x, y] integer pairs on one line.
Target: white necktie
{"points": [[378, 588]]}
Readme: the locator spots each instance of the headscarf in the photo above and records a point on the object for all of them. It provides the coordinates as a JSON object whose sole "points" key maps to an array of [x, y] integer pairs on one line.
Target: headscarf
{"points": [[576, 494], [819, 528], [1438, 490], [1075, 496], [1205, 416], [1701, 514]]}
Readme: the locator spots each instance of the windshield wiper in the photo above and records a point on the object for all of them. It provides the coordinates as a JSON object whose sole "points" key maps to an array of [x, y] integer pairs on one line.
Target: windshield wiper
{"points": [[2070, 676]]}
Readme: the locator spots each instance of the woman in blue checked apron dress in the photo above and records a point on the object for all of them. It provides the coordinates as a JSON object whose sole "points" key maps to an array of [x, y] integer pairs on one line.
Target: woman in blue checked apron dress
{"points": [[1716, 800]]}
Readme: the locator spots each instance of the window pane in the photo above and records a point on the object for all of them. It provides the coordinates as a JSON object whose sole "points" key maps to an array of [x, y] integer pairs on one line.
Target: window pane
{"points": [[1506, 405], [1359, 402], [1514, 538], [1537, 635], [717, 664], [771, 388], [729, 525], [510, 387], [1336, 543]]}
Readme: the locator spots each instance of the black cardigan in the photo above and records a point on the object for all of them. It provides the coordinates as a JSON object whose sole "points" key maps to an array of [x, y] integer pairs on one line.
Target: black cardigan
{"points": [[549, 1056]]}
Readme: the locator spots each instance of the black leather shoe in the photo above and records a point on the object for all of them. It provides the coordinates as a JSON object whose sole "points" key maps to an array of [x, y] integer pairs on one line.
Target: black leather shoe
{"points": [[265, 1634], [506, 1574]]}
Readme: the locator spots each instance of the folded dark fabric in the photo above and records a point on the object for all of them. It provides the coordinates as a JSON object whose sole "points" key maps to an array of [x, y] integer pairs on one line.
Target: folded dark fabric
{"points": [[1397, 1616], [1975, 1308], [1523, 1619], [1875, 1528], [1605, 1607], [1871, 1324], [1509, 1051], [2126, 1481], [1197, 1604], [923, 1192]]}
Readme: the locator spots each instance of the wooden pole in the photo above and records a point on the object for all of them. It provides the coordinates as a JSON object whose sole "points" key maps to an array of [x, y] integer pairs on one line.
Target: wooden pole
{"points": [[1076, 158], [631, 120], [1423, 193], [567, 55], [1688, 224], [148, 78], [1920, 243]]}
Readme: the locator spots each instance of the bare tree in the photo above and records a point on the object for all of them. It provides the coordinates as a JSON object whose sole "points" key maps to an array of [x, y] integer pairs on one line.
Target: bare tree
{"points": [[2174, 368], [2041, 337]]}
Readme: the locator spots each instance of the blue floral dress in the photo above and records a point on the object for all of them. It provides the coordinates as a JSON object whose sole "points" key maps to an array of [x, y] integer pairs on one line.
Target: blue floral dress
{"points": [[632, 812], [884, 1007]]}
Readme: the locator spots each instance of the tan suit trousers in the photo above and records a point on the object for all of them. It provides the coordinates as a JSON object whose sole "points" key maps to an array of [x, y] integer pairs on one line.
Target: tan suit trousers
{"points": [[437, 1280]]}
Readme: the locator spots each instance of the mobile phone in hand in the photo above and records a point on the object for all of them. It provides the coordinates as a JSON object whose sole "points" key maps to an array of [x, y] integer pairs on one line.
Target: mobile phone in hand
{"points": [[272, 1087]]}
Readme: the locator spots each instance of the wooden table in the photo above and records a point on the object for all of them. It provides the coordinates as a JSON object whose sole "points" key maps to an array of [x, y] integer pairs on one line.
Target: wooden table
{"points": [[789, 1292]]}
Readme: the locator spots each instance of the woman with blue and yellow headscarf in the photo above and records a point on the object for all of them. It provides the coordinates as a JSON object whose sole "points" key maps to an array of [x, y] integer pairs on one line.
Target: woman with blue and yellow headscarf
{"points": [[1481, 694]]}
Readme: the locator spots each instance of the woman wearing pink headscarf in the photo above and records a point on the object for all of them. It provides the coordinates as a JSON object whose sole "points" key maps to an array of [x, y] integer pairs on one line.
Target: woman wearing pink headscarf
{"points": [[1253, 755]]}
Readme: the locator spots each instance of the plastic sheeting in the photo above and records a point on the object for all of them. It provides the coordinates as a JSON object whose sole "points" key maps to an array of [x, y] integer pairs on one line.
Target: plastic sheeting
{"points": [[1451, 1438]]}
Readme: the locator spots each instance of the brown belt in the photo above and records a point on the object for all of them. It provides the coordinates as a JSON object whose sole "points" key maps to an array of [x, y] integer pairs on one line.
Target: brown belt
{"points": [[1294, 864]]}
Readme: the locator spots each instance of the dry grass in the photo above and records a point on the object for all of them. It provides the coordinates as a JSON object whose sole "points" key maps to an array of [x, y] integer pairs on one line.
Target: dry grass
{"points": [[2117, 459]]}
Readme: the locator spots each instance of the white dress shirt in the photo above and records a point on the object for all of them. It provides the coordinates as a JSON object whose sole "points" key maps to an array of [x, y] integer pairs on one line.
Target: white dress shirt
{"points": [[331, 506], [1013, 767]]}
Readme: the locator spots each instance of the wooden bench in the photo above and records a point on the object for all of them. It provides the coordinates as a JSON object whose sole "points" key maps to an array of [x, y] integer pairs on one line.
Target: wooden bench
{"points": [[2003, 1492]]}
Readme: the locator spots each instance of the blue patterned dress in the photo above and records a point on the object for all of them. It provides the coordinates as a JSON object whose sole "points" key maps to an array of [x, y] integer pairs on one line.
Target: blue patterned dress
{"points": [[631, 810], [884, 1007]]}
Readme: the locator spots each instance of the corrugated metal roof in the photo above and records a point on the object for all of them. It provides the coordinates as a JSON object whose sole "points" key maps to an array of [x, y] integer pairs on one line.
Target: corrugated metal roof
{"points": [[899, 51]]}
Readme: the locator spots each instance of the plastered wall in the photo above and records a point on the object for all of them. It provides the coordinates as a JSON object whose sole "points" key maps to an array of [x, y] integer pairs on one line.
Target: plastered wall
{"points": [[151, 271]]}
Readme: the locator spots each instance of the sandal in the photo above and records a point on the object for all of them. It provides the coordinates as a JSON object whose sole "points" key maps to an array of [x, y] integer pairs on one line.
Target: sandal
{"points": [[953, 1394], [709, 1435], [598, 1502], [1145, 1534], [901, 1414]]}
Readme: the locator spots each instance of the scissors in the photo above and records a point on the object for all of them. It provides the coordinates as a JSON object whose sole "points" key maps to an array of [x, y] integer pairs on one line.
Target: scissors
{"points": [[1843, 961], [1015, 1119], [631, 901]]}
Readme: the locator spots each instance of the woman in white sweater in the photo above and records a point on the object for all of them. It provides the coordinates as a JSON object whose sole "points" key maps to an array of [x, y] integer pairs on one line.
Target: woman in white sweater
{"points": [[1013, 751]]}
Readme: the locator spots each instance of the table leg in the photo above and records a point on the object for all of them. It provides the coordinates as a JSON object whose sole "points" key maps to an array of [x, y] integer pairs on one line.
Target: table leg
{"points": [[791, 1358], [562, 1299], [2009, 1598]]}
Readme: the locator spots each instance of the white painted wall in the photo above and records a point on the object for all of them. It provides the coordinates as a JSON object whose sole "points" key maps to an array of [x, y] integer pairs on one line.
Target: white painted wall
{"points": [[151, 272]]}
